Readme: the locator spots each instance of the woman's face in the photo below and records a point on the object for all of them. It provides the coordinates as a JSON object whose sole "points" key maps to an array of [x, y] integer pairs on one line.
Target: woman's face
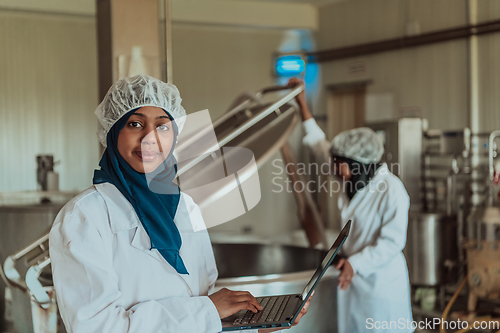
{"points": [[341, 170], [146, 139]]}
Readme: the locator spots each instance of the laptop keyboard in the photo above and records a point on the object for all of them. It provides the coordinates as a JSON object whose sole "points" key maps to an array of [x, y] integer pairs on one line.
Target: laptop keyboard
{"points": [[272, 310]]}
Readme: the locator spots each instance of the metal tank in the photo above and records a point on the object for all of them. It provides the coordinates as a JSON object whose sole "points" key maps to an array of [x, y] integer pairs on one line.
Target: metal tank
{"points": [[276, 270], [431, 248]]}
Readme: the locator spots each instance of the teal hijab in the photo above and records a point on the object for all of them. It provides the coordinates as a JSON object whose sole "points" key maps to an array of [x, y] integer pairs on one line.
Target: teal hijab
{"points": [[155, 197]]}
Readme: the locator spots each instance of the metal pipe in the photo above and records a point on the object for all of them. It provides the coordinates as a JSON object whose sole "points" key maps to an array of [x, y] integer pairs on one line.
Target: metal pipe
{"points": [[493, 136], [449, 194], [473, 62], [40, 295], [467, 142], [168, 41], [403, 42], [473, 69]]}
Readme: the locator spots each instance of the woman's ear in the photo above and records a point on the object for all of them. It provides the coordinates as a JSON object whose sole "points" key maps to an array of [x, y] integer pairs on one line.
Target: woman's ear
{"points": [[345, 171]]}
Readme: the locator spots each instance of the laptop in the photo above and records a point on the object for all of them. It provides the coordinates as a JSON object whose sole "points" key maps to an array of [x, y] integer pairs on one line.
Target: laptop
{"points": [[281, 310]]}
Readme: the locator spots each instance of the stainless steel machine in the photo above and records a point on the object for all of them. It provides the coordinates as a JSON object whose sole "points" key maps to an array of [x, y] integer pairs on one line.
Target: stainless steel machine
{"points": [[483, 239], [454, 218], [437, 170], [45, 175], [430, 250]]}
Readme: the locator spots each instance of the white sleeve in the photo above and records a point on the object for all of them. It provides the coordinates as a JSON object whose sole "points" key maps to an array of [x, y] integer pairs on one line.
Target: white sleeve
{"points": [[87, 289], [212, 267], [213, 274], [208, 251], [315, 139], [392, 238]]}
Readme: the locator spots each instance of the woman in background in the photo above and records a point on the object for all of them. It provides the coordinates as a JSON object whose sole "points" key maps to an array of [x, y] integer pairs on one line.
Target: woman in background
{"points": [[374, 293]]}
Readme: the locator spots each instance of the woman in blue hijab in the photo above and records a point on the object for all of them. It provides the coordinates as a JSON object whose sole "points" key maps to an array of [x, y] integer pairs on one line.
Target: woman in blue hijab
{"points": [[135, 150], [125, 256]]}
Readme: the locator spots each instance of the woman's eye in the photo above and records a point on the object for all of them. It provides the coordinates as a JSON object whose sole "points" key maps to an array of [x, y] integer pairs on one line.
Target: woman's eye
{"points": [[163, 127], [135, 124]]}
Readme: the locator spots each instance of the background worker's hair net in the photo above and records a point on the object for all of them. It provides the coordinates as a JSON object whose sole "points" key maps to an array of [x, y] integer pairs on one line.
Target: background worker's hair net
{"points": [[135, 92], [360, 144]]}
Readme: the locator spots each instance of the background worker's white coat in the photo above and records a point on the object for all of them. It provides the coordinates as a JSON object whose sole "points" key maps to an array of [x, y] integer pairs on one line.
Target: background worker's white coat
{"points": [[379, 291], [108, 280]]}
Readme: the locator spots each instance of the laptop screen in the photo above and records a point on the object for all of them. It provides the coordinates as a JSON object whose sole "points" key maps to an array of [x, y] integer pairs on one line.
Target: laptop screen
{"points": [[326, 262]]}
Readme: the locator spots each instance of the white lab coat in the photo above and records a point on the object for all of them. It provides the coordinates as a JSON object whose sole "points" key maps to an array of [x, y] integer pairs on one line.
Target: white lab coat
{"points": [[380, 288], [108, 280]]}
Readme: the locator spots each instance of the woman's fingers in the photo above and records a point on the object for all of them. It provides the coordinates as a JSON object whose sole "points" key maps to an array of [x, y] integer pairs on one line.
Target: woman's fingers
{"points": [[229, 302], [344, 281], [249, 299], [341, 263], [344, 277], [341, 278], [297, 320], [245, 306], [303, 311], [293, 81]]}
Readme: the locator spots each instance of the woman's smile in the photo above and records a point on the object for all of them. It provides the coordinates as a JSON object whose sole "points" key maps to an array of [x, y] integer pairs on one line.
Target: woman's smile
{"points": [[147, 155]]}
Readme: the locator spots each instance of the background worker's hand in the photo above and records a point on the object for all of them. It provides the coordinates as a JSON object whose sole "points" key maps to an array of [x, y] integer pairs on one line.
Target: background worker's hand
{"points": [[228, 302], [346, 273], [300, 98], [301, 314]]}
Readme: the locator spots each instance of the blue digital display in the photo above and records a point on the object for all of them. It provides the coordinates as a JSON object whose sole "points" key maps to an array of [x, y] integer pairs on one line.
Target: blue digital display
{"points": [[290, 65]]}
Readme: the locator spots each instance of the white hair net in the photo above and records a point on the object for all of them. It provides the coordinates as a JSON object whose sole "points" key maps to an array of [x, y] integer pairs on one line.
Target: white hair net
{"points": [[361, 144], [135, 92]]}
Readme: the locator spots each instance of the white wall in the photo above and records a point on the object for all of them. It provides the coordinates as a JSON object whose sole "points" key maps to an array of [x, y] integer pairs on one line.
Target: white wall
{"points": [[213, 65], [489, 69], [489, 82], [432, 77], [48, 90]]}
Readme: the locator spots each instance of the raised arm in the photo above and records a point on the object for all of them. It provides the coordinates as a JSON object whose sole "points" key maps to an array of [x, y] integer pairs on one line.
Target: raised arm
{"points": [[314, 138], [301, 99]]}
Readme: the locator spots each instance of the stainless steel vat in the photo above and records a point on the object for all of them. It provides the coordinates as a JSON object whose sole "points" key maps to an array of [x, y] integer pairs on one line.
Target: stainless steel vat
{"points": [[431, 249], [278, 269]]}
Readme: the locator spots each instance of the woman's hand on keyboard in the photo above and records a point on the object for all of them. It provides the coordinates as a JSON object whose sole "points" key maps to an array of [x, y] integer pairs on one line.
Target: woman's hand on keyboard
{"points": [[228, 302]]}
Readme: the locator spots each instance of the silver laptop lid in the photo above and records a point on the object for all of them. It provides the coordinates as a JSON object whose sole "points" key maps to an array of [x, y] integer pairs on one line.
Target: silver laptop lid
{"points": [[326, 262]]}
